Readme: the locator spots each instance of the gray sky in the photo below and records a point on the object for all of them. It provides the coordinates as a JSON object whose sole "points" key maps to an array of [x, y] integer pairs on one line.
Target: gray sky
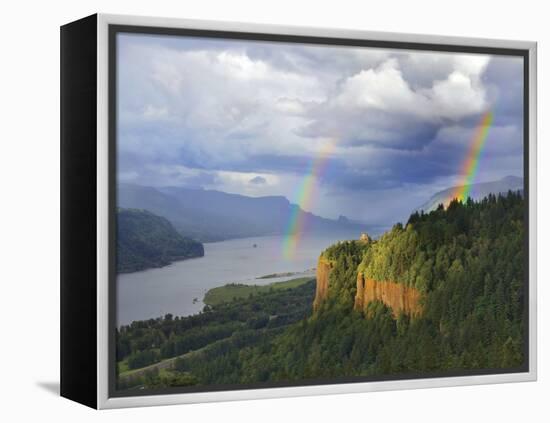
{"points": [[251, 118]]}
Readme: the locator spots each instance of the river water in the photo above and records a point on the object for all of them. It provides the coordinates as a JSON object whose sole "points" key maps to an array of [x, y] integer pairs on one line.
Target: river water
{"points": [[180, 287]]}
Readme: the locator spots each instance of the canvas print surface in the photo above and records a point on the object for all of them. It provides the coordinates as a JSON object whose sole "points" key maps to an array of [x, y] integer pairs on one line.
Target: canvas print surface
{"points": [[292, 213]]}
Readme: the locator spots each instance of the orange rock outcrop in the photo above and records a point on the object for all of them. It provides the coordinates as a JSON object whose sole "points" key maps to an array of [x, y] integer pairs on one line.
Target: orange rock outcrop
{"points": [[324, 266], [397, 296]]}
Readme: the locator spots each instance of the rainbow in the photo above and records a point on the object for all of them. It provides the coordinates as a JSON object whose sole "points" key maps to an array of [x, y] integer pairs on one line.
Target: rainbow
{"points": [[470, 165], [303, 198]]}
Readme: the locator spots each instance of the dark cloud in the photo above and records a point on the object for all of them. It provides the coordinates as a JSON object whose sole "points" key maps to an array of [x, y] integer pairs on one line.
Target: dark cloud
{"points": [[504, 80], [258, 180], [200, 112], [372, 127]]}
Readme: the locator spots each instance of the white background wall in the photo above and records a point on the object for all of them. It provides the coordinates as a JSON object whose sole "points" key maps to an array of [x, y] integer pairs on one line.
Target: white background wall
{"points": [[29, 238]]}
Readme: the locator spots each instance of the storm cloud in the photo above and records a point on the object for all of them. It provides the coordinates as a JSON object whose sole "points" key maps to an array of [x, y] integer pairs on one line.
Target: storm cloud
{"points": [[254, 117]]}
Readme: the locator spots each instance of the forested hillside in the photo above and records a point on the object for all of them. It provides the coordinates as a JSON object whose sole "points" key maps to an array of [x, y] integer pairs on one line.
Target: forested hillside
{"points": [[219, 333], [145, 240], [463, 265], [467, 263]]}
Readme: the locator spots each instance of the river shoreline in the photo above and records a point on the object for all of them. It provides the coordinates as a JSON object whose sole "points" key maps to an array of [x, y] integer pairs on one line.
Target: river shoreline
{"points": [[180, 287]]}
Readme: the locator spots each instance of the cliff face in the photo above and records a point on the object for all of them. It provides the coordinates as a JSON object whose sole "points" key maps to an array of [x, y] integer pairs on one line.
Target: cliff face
{"points": [[395, 295], [351, 256], [324, 266]]}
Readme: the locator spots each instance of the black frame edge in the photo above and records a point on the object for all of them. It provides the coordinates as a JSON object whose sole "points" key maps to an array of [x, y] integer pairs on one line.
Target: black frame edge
{"points": [[78, 264]]}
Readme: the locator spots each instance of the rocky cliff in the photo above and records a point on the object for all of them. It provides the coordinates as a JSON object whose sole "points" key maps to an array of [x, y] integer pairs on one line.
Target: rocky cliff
{"points": [[358, 284], [324, 266], [397, 296]]}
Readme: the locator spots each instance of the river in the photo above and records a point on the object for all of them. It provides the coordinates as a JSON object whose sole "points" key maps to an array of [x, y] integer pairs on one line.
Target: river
{"points": [[180, 287]]}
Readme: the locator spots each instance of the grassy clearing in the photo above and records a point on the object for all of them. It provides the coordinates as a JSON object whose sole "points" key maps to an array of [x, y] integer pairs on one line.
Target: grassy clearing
{"points": [[230, 292], [162, 365], [123, 366]]}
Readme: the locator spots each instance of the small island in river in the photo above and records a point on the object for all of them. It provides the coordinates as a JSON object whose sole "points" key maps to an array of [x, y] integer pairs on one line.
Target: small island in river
{"points": [[286, 274]]}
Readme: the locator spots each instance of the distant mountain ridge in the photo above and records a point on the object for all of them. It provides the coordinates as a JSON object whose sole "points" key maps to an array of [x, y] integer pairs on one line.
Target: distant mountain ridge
{"points": [[209, 215], [477, 192]]}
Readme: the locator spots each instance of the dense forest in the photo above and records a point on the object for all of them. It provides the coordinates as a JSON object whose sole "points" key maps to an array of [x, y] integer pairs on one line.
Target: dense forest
{"points": [[145, 240], [466, 261]]}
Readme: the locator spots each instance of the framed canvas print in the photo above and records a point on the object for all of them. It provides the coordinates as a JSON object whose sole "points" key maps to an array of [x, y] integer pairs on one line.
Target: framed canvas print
{"points": [[252, 211]]}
